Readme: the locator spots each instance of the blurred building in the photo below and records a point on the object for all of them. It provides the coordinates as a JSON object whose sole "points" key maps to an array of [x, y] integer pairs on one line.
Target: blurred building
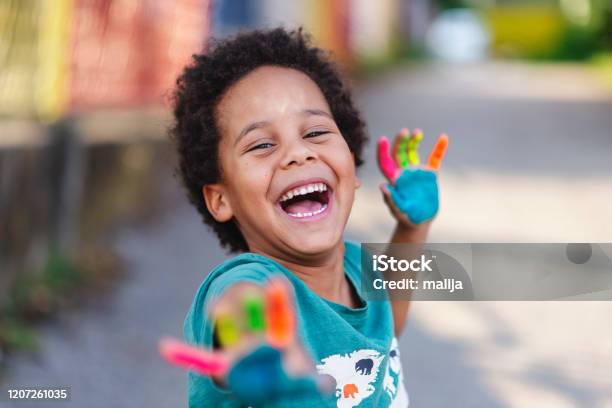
{"points": [[356, 31], [62, 56], [68, 172]]}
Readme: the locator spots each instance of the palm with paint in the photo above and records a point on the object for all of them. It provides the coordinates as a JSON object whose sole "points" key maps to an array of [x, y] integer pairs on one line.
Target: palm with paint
{"points": [[412, 193], [257, 355]]}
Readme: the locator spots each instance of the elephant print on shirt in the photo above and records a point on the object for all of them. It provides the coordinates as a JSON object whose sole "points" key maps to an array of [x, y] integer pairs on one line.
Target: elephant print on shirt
{"points": [[364, 366], [355, 374]]}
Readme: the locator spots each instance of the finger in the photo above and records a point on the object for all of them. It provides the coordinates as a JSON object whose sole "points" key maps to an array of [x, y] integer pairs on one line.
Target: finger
{"points": [[280, 318], [437, 154], [232, 323], [385, 162], [401, 154], [396, 145], [396, 212], [253, 305], [296, 360], [192, 358], [227, 329], [413, 147], [387, 197]]}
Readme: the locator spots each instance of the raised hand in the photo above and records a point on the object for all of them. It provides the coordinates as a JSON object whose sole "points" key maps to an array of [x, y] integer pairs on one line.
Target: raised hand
{"points": [[260, 358], [412, 193]]}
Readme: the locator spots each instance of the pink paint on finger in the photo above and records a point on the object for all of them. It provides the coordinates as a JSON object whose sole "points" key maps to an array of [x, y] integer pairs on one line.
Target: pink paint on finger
{"points": [[385, 162], [192, 358]]}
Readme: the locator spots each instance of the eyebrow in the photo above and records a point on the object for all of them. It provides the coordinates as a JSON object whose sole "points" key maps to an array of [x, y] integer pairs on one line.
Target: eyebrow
{"points": [[264, 123], [317, 112]]}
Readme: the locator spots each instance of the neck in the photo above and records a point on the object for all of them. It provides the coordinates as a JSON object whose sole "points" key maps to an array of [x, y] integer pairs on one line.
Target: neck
{"points": [[323, 275]]}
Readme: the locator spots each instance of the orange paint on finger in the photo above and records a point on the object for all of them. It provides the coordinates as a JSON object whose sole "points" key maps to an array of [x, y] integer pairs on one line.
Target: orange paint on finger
{"points": [[280, 328], [437, 154]]}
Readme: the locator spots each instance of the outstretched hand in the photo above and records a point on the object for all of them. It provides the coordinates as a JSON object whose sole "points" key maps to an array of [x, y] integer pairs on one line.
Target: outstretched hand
{"points": [[412, 192], [260, 358]]}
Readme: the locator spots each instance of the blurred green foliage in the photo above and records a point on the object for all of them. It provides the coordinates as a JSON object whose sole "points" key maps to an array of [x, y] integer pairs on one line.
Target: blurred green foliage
{"points": [[583, 39], [35, 296], [583, 35], [577, 44], [449, 4], [606, 27]]}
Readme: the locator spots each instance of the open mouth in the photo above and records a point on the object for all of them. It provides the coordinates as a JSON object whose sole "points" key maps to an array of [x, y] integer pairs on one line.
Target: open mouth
{"points": [[306, 201]]}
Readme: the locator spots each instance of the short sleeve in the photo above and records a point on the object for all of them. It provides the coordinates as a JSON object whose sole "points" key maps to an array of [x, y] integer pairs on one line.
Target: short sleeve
{"points": [[197, 328], [252, 273]]}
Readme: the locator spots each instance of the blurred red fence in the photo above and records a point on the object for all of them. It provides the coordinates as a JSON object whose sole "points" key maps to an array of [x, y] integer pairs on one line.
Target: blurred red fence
{"points": [[65, 55]]}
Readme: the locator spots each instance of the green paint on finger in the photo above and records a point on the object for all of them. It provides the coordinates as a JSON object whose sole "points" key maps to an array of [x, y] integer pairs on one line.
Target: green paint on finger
{"points": [[402, 148], [253, 307]]}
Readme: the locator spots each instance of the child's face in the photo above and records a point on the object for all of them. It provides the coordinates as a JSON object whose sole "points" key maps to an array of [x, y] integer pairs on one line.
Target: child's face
{"points": [[278, 136]]}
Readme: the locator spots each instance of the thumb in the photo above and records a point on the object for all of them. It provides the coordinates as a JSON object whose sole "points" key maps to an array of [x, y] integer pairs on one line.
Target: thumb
{"points": [[395, 211], [384, 188]]}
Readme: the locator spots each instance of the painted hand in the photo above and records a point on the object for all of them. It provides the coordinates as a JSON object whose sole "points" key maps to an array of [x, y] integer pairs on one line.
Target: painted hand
{"points": [[412, 192], [261, 358]]}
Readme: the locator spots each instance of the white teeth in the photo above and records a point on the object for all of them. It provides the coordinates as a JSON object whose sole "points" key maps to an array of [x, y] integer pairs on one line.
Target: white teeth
{"points": [[320, 210], [304, 190], [309, 214]]}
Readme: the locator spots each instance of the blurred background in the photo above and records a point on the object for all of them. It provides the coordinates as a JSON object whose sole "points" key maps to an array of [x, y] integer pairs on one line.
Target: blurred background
{"points": [[100, 254]]}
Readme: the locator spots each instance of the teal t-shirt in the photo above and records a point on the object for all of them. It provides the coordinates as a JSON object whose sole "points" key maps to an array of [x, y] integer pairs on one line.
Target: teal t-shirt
{"points": [[354, 346]]}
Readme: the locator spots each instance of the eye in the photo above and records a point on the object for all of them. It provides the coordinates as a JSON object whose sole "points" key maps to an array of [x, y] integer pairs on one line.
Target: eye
{"points": [[316, 133], [261, 146]]}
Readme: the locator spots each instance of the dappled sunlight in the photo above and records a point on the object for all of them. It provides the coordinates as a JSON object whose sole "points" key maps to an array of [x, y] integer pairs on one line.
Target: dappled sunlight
{"points": [[550, 357]]}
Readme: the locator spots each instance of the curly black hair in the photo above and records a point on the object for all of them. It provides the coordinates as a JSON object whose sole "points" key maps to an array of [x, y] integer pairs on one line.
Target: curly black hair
{"points": [[203, 83]]}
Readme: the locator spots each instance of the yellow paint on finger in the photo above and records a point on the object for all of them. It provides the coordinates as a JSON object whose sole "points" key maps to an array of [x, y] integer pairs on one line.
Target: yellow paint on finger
{"points": [[413, 147]]}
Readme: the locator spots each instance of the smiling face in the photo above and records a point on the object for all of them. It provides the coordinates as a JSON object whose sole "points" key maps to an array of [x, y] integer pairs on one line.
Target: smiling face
{"points": [[287, 174]]}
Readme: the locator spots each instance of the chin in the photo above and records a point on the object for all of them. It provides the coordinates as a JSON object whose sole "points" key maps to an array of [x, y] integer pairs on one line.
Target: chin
{"points": [[315, 243]]}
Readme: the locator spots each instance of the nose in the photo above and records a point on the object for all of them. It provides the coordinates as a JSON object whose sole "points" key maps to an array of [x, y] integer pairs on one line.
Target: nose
{"points": [[298, 153]]}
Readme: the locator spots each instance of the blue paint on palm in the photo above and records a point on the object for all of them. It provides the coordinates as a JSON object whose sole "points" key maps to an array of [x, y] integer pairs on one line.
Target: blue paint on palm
{"points": [[415, 193], [259, 377]]}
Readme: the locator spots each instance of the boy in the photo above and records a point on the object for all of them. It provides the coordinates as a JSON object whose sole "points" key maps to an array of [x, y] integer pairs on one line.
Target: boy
{"points": [[269, 141]]}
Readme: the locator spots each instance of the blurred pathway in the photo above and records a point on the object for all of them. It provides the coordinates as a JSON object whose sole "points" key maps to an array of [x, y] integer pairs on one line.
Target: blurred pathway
{"points": [[108, 352], [529, 161]]}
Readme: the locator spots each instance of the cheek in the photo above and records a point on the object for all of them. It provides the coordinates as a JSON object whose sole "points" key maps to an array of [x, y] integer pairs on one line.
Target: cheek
{"points": [[342, 159], [247, 183], [253, 178]]}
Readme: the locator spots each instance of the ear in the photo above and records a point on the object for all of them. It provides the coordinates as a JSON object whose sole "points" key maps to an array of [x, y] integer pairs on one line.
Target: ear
{"points": [[357, 183], [217, 202]]}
